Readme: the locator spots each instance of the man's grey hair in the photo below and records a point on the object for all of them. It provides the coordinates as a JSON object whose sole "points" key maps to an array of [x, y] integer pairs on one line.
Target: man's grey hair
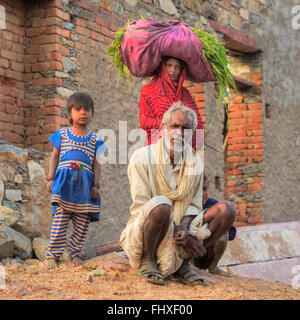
{"points": [[178, 106]]}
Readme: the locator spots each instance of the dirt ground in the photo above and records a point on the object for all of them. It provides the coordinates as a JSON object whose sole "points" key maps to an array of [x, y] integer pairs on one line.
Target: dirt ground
{"points": [[111, 278]]}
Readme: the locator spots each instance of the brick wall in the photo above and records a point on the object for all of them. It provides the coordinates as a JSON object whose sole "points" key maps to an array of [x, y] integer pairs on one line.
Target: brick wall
{"points": [[12, 39]]}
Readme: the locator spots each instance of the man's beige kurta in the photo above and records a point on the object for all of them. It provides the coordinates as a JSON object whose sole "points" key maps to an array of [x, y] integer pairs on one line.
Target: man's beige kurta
{"points": [[146, 195]]}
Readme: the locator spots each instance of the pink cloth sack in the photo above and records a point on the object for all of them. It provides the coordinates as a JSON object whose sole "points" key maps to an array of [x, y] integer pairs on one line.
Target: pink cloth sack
{"points": [[146, 42]]}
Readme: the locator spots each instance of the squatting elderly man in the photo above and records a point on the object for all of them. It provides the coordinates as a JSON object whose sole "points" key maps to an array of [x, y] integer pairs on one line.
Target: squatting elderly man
{"points": [[167, 226]]}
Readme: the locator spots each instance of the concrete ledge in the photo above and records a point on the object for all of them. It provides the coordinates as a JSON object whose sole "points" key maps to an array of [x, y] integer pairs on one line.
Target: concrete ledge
{"points": [[263, 243], [276, 270], [267, 251]]}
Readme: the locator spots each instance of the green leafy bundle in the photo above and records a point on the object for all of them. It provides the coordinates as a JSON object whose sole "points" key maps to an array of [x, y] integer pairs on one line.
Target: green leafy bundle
{"points": [[217, 56], [115, 51]]}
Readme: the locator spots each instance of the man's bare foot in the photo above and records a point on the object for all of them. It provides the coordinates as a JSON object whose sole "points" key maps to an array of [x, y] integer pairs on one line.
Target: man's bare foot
{"points": [[219, 272]]}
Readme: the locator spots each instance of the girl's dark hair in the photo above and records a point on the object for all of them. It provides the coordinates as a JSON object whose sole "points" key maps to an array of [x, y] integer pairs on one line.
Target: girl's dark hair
{"points": [[82, 100]]}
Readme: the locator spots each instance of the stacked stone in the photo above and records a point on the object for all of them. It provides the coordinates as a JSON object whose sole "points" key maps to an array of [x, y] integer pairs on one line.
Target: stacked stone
{"points": [[25, 212]]}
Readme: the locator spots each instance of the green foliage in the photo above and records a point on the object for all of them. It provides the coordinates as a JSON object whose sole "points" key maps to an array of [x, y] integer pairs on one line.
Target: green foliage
{"points": [[115, 51], [217, 56]]}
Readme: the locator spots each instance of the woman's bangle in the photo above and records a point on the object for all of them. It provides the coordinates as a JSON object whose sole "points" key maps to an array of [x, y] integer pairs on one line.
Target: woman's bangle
{"points": [[49, 179]]}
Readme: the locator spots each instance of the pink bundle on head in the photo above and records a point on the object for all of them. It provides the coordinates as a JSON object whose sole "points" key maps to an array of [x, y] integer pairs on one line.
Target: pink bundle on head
{"points": [[146, 42]]}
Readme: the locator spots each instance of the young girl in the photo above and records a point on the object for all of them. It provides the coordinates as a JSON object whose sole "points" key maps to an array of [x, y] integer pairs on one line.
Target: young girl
{"points": [[73, 179]]}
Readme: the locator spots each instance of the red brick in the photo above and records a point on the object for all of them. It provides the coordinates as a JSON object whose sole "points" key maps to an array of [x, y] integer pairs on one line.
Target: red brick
{"points": [[196, 89], [256, 76], [55, 12], [96, 36], [255, 187], [255, 106], [235, 115], [237, 121], [56, 30], [42, 138], [257, 119], [46, 39], [56, 111], [54, 102], [107, 32], [18, 119], [5, 117], [4, 63], [51, 128], [253, 127], [200, 104], [199, 97], [237, 99], [31, 131], [251, 133], [236, 134], [236, 189], [47, 82], [9, 55], [253, 139], [237, 159], [55, 47], [81, 23], [18, 48], [235, 172], [251, 113], [52, 4], [237, 147], [10, 36], [17, 66], [236, 107], [47, 66], [101, 22], [15, 75], [240, 224], [33, 32], [230, 183], [19, 130], [257, 219], [11, 109], [255, 204], [83, 31]]}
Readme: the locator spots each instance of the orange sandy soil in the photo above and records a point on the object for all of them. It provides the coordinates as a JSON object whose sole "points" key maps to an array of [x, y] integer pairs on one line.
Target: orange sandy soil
{"points": [[36, 281]]}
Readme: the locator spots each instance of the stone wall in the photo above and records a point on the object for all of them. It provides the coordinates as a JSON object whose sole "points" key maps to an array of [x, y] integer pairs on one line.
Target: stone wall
{"points": [[25, 213]]}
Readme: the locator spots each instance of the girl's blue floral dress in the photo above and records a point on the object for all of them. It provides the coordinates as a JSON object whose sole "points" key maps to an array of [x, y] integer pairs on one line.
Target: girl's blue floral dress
{"points": [[74, 178]]}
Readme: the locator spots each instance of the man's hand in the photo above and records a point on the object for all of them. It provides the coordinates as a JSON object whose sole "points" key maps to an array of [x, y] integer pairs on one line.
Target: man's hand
{"points": [[190, 244], [95, 193]]}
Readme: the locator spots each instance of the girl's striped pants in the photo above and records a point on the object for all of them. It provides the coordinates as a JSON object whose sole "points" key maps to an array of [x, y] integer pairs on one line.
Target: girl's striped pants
{"points": [[58, 235]]}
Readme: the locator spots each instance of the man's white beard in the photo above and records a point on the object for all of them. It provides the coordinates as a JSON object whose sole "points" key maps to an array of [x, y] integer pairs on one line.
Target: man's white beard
{"points": [[179, 143]]}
